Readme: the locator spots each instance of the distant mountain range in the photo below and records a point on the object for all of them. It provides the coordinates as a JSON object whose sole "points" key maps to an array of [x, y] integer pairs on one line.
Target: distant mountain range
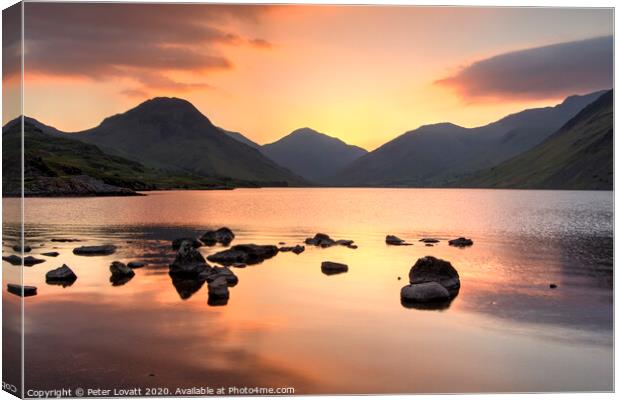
{"points": [[312, 155], [167, 143], [577, 156], [433, 155]]}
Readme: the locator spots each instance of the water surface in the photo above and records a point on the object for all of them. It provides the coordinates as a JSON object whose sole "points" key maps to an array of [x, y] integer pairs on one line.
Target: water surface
{"points": [[288, 325]]}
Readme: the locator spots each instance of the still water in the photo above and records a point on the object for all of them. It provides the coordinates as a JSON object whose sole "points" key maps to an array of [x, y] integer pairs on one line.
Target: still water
{"points": [[289, 325]]}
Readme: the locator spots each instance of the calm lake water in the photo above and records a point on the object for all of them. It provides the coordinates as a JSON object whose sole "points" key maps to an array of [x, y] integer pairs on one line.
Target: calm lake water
{"points": [[289, 325]]}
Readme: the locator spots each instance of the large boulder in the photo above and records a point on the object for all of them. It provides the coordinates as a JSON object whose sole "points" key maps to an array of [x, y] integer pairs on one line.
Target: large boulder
{"points": [[425, 293], [13, 259], [94, 250], [121, 273], [321, 240], [330, 268], [461, 242], [244, 253], [63, 276], [223, 235], [431, 269], [188, 261]]}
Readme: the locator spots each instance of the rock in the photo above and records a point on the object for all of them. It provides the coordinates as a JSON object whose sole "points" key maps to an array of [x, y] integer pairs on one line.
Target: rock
{"points": [[119, 269], [321, 240], [395, 241], [176, 243], [218, 288], [51, 254], [295, 249], [121, 273], [94, 250], [18, 247], [429, 245], [63, 276], [461, 242], [188, 261], [344, 242], [63, 240], [352, 246], [29, 261], [553, 286], [223, 235], [13, 259], [186, 287], [431, 269], [136, 264], [425, 292], [238, 265], [282, 243], [330, 268], [217, 272], [429, 240], [20, 290], [244, 253]]}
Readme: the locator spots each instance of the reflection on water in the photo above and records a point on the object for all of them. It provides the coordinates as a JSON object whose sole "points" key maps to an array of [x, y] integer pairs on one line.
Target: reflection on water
{"points": [[288, 324]]}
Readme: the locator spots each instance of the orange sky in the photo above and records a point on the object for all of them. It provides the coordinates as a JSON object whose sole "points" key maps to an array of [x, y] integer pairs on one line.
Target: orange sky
{"points": [[363, 74]]}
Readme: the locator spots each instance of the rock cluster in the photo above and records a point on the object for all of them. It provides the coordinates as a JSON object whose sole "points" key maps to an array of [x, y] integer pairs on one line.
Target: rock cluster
{"points": [[461, 242], [431, 280], [323, 240], [223, 236], [396, 241], [244, 254]]}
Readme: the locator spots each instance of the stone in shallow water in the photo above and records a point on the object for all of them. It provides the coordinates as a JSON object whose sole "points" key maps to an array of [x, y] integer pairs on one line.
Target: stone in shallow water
{"points": [[29, 261], [395, 241], [218, 288], [176, 243], [20, 290], [188, 261], [63, 276], [424, 292], [18, 247], [51, 254], [431, 269], [429, 240], [65, 240], [245, 254], [136, 264], [117, 268], [223, 235], [13, 259], [94, 250], [298, 249], [461, 242], [330, 268]]}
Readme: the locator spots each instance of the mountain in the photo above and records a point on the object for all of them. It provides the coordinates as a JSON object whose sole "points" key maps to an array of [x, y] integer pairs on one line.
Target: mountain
{"points": [[312, 155], [578, 156], [433, 155], [171, 134], [240, 138], [56, 165]]}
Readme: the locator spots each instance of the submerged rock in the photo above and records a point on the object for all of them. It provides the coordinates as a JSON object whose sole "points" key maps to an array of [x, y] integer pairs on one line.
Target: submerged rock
{"points": [[298, 249], [425, 292], [429, 240], [94, 250], [330, 268], [244, 253], [553, 286], [223, 235], [461, 242], [51, 254], [176, 243], [13, 259], [22, 291], [63, 276], [18, 247], [431, 269], [29, 261], [323, 240], [220, 272], [65, 240]]}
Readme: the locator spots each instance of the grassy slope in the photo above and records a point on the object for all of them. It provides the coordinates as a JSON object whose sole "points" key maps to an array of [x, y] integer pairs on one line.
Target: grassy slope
{"points": [[49, 156], [578, 156]]}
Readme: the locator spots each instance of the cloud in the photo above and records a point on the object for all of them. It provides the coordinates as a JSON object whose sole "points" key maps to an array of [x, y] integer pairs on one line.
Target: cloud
{"points": [[541, 72], [147, 43], [261, 43]]}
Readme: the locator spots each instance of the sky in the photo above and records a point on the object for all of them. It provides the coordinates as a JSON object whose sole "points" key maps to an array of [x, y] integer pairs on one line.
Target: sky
{"points": [[364, 74]]}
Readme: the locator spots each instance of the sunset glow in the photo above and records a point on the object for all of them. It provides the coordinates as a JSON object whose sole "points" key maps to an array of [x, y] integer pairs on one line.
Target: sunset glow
{"points": [[362, 74]]}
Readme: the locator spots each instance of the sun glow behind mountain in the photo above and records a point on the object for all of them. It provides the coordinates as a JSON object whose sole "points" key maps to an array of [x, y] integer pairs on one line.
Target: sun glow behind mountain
{"points": [[364, 75]]}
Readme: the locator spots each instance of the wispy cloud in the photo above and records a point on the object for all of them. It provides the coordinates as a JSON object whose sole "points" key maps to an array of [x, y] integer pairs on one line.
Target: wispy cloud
{"points": [[540, 72]]}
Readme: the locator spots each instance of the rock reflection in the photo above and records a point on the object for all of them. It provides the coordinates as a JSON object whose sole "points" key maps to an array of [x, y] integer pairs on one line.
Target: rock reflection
{"points": [[186, 287]]}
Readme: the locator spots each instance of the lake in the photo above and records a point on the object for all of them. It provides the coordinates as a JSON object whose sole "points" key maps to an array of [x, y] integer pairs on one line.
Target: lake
{"points": [[287, 324]]}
